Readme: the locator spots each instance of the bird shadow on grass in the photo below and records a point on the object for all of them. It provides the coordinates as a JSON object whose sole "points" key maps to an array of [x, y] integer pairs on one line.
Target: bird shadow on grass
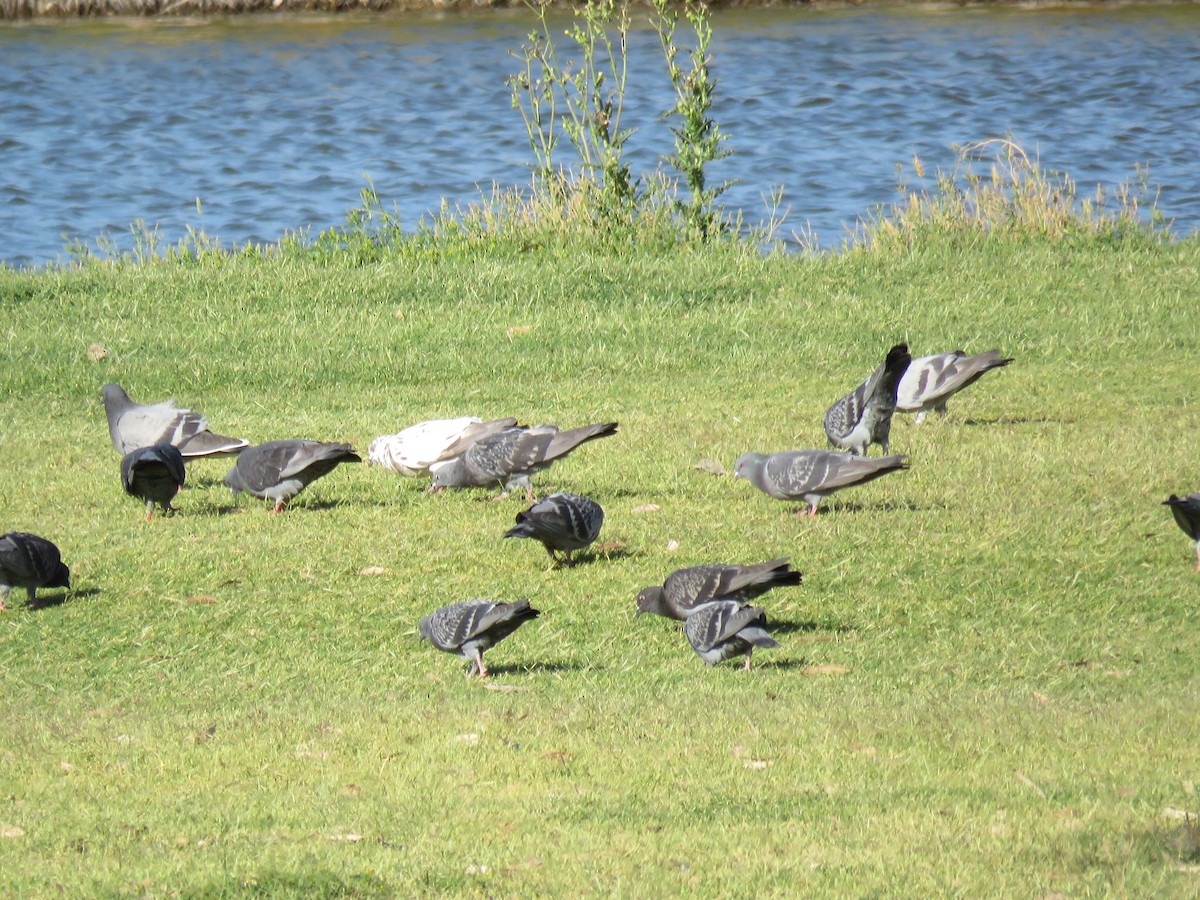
{"points": [[1016, 420], [852, 506], [538, 668], [783, 626], [48, 601]]}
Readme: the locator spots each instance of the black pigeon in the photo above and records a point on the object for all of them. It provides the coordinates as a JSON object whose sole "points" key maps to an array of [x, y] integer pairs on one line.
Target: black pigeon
{"points": [[811, 474], [688, 588], [563, 523], [509, 458], [31, 562], [133, 426], [279, 470], [724, 629], [473, 626], [1187, 514], [864, 416], [155, 474]]}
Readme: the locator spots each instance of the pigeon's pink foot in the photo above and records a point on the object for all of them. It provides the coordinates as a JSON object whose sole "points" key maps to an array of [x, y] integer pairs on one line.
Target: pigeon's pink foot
{"points": [[279, 505]]}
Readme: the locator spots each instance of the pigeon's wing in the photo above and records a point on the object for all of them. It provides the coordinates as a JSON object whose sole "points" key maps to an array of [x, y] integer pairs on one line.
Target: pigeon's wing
{"points": [[411, 451], [1186, 511], [563, 521], [931, 380], [843, 415], [715, 623], [493, 459], [473, 432], [686, 588], [315, 458], [156, 471], [144, 426], [27, 559]]}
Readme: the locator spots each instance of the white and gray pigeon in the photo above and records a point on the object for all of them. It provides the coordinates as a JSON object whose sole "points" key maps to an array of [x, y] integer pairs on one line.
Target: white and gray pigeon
{"points": [[810, 475], [1187, 515], [155, 474], [685, 589], [563, 523], [426, 446], [723, 629], [473, 626], [279, 470], [31, 562], [930, 381], [864, 416], [510, 457], [133, 426]]}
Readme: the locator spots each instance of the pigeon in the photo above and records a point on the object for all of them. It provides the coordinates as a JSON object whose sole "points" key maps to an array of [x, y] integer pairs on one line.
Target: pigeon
{"points": [[473, 626], [1187, 514], [562, 522], [930, 381], [686, 589], [133, 426], [811, 474], [279, 470], [723, 629], [425, 446], [31, 562], [864, 416], [510, 457], [155, 474]]}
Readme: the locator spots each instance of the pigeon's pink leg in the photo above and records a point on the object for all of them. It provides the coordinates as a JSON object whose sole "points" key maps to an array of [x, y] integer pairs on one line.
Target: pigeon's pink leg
{"points": [[279, 505], [481, 667], [746, 667], [812, 510]]}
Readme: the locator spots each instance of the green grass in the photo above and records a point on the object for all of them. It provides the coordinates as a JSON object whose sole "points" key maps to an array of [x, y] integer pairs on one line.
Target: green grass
{"points": [[226, 706]]}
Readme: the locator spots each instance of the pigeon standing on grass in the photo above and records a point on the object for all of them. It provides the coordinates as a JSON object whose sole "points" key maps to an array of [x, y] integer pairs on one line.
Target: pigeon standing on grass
{"points": [[809, 475], [279, 470], [864, 416], [133, 426], [155, 474], [723, 629], [509, 458], [31, 562], [562, 522], [421, 448], [930, 381], [473, 626], [1187, 515], [686, 589]]}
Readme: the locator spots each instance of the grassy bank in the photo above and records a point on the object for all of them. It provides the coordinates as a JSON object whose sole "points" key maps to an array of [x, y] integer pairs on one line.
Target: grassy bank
{"points": [[987, 685]]}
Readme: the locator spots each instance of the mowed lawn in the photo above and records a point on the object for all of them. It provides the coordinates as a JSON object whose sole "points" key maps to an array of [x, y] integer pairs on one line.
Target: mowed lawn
{"points": [[988, 684]]}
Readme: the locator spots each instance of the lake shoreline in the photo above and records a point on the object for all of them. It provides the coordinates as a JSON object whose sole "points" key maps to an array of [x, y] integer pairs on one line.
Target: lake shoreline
{"points": [[24, 10]]}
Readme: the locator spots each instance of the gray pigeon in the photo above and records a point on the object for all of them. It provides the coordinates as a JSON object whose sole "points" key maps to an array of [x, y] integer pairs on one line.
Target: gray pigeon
{"points": [[930, 381], [155, 474], [864, 416], [31, 562], [509, 458], [1187, 514], [279, 470], [473, 626], [723, 629], [133, 426], [562, 522], [811, 474], [686, 589]]}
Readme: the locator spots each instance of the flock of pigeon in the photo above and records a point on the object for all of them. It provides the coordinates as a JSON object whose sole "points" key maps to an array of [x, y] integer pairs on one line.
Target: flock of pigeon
{"points": [[713, 600]]}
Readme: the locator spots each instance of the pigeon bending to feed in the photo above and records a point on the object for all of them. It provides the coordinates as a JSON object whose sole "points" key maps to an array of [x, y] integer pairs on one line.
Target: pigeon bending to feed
{"points": [[31, 562], [864, 416], [723, 629], [423, 447], [510, 457], [1187, 514], [473, 626], [562, 522], [930, 381], [686, 589], [133, 426], [811, 474], [279, 470], [155, 474]]}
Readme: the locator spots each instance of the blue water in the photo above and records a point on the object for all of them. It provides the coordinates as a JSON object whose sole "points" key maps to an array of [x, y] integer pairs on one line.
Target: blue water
{"points": [[247, 128]]}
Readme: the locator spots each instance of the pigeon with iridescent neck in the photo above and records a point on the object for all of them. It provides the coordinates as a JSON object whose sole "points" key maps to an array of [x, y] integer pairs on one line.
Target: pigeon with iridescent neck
{"points": [[811, 475], [473, 626]]}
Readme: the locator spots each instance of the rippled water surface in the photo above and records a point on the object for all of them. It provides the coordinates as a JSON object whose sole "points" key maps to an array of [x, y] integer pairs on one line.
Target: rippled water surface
{"points": [[275, 124]]}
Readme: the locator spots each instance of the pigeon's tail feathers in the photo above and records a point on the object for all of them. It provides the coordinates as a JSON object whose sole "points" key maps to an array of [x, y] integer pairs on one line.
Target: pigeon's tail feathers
{"points": [[758, 636], [564, 442], [761, 577], [207, 443]]}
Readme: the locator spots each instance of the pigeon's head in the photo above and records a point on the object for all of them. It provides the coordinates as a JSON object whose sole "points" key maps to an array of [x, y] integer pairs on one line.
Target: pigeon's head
{"points": [[445, 476], [747, 464], [60, 578], [233, 480], [426, 629], [649, 600], [114, 395]]}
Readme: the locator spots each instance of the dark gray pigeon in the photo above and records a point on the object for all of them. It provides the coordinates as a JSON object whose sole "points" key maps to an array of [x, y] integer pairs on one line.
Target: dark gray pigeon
{"points": [[31, 562], [686, 589], [563, 523], [864, 416], [811, 474], [155, 474], [930, 381], [133, 426], [473, 626], [279, 470], [1187, 514], [509, 458], [723, 629]]}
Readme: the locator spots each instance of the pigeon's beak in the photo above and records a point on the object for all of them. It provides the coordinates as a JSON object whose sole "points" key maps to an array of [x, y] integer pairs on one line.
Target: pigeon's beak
{"points": [[435, 489]]}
